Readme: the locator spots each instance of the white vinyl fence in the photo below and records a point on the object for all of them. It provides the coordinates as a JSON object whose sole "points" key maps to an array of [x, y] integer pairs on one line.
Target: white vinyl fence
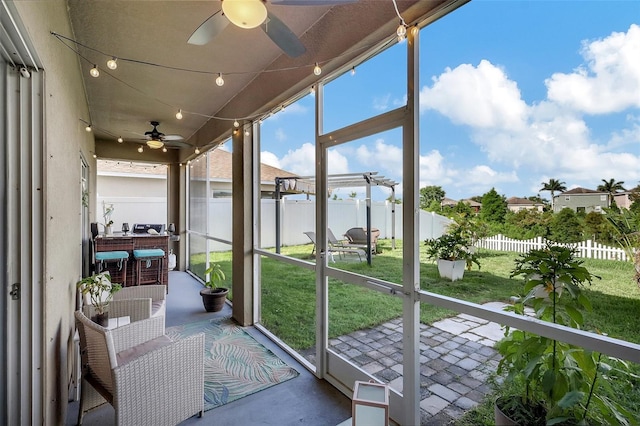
{"points": [[585, 249], [296, 217]]}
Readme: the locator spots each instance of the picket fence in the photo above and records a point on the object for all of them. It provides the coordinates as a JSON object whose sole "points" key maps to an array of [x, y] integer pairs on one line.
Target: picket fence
{"points": [[585, 249]]}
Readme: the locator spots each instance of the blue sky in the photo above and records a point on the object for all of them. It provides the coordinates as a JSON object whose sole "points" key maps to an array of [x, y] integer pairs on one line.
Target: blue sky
{"points": [[512, 93]]}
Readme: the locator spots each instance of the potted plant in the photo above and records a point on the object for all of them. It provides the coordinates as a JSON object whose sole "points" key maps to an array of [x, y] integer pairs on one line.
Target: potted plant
{"points": [[453, 253], [213, 296], [547, 381], [100, 290], [107, 211]]}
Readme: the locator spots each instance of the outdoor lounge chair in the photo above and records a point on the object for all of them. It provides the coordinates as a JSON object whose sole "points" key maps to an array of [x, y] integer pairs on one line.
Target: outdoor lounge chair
{"points": [[358, 237], [147, 377], [340, 249]]}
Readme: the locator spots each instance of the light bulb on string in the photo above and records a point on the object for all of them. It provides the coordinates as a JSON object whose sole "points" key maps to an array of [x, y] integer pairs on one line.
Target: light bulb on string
{"points": [[94, 71], [164, 149], [140, 149], [120, 140], [88, 128], [312, 90], [317, 70], [197, 150], [112, 63], [401, 32], [95, 156], [353, 70], [179, 114], [220, 80], [246, 132], [236, 124]]}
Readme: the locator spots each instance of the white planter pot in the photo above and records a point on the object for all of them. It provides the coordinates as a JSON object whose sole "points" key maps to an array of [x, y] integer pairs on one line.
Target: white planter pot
{"points": [[108, 230], [451, 269]]}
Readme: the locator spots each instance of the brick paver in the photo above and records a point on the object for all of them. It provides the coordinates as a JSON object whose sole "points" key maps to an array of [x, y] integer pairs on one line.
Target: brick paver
{"points": [[457, 357]]}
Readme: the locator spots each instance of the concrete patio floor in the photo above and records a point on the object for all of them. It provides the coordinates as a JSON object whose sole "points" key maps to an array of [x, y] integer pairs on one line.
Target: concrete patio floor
{"points": [[456, 358]]}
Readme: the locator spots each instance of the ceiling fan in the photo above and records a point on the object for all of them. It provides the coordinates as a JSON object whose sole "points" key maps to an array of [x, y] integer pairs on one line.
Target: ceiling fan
{"points": [[156, 140], [253, 13]]}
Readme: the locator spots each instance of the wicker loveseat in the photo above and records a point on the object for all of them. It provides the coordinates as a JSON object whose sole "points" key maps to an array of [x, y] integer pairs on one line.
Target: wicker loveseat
{"points": [[148, 378]]}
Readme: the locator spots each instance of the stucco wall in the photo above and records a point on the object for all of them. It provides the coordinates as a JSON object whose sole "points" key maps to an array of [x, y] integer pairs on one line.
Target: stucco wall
{"points": [[65, 141]]}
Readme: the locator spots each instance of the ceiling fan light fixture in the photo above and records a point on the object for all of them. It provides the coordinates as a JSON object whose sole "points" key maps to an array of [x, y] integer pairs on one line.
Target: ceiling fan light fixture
{"points": [[245, 13], [155, 144]]}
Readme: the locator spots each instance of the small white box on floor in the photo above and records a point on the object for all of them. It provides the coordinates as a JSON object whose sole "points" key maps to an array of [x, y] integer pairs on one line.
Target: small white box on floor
{"points": [[370, 404]]}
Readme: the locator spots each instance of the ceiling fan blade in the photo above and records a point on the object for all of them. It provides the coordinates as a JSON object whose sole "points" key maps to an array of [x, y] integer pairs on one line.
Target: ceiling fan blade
{"points": [[282, 36], [311, 2], [209, 29], [176, 144], [172, 138]]}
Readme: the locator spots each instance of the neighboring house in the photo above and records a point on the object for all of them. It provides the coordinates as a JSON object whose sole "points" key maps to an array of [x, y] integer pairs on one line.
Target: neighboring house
{"points": [[128, 179], [515, 204], [220, 174], [448, 202], [623, 199], [581, 200]]}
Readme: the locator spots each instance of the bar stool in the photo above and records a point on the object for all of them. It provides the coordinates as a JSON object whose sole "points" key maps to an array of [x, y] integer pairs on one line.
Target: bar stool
{"points": [[102, 258], [148, 256]]}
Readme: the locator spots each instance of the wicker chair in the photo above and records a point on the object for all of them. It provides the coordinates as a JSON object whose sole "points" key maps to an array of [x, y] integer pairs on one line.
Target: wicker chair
{"points": [[137, 303], [148, 378]]}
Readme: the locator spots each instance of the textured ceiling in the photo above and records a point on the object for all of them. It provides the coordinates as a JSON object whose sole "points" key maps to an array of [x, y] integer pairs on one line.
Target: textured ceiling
{"points": [[258, 76]]}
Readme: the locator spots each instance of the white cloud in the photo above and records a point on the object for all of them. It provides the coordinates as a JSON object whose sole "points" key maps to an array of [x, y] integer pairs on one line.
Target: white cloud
{"points": [[270, 159], [301, 161], [281, 136], [383, 156], [610, 80], [481, 97], [381, 103]]}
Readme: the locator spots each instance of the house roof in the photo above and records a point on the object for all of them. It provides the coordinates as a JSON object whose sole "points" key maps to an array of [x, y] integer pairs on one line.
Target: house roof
{"points": [[521, 201], [579, 190], [219, 168]]}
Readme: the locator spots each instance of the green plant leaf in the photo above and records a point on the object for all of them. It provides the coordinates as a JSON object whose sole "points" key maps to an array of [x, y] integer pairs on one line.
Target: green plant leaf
{"points": [[570, 399]]}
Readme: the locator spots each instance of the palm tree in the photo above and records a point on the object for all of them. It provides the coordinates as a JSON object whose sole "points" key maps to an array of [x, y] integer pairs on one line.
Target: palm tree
{"points": [[552, 186], [611, 187]]}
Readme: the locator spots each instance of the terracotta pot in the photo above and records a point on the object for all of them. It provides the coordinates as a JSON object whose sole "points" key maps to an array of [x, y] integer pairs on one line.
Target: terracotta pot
{"points": [[213, 300]]}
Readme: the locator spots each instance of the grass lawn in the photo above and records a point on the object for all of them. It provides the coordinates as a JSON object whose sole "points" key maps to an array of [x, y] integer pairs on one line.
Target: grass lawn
{"points": [[288, 292], [289, 297]]}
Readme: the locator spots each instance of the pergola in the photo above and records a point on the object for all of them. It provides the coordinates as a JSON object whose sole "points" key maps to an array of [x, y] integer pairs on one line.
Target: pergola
{"points": [[307, 185]]}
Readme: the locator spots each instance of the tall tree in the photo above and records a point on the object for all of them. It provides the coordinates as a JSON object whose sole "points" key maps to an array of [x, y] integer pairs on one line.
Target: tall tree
{"points": [[494, 207], [611, 187], [430, 193], [552, 186]]}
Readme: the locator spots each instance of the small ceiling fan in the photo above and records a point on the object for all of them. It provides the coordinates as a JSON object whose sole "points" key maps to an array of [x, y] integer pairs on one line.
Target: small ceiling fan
{"points": [[254, 13], [156, 139]]}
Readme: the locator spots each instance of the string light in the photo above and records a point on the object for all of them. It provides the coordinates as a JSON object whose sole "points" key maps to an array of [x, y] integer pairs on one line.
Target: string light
{"points": [[220, 80], [353, 70], [112, 63], [246, 132], [88, 128], [197, 150], [317, 70], [179, 114], [164, 149], [312, 90], [236, 124], [94, 71], [140, 149], [95, 156], [401, 31], [120, 140]]}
